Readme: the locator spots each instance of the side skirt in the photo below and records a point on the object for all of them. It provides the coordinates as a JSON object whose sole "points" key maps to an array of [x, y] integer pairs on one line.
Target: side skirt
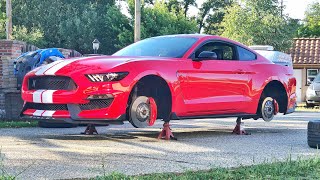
{"points": [[244, 116]]}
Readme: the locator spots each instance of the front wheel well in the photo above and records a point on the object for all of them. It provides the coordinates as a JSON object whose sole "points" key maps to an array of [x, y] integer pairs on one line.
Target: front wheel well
{"points": [[156, 87], [276, 90]]}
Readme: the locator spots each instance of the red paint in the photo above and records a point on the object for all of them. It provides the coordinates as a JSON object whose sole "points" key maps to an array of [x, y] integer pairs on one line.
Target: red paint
{"points": [[153, 107], [215, 87], [276, 107]]}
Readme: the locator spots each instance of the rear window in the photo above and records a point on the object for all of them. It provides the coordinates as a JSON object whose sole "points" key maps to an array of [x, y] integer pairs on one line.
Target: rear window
{"points": [[245, 55], [276, 57]]}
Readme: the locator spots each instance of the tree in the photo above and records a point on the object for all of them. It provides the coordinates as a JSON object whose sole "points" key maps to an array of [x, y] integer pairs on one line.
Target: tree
{"points": [[32, 36], [211, 14], [158, 20], [186, 6], [2, 20], [259, 22], [73, 24], [311, 27]]}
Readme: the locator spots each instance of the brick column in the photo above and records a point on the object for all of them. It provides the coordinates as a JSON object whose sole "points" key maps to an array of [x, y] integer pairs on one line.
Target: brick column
{"points": [[9, 51]]}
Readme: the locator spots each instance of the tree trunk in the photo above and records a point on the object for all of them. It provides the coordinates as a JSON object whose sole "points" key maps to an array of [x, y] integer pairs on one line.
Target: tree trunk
{"points": [[9, 19]]}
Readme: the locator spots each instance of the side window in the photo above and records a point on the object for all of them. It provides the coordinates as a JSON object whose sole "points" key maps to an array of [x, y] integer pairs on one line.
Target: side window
{"points": [[245, 55], [311, 75], [223, 51]]}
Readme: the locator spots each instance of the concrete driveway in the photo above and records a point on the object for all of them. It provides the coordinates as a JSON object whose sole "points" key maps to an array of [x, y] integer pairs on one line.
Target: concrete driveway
{"points": [[202, 144]]}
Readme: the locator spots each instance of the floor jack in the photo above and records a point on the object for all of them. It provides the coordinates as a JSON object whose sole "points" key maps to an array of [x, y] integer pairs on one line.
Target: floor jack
{"points": [[239, 129], [90, 130], [166, 132]]}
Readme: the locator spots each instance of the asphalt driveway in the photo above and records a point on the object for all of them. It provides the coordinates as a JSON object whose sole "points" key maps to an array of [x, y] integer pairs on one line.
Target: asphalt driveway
{"points": [[202, 144]]}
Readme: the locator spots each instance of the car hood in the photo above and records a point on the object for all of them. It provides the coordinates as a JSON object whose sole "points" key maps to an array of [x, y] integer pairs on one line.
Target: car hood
{"points": [[96, 64]]}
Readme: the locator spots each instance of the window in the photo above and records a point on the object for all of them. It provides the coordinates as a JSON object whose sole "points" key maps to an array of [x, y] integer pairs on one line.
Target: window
{"points": [[311, 74], [245, 55], [164, 46], [223, 51]]}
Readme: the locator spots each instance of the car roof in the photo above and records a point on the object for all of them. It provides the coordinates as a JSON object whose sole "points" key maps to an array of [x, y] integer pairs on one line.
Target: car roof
{"points": [[188, 35], [204, 36]]}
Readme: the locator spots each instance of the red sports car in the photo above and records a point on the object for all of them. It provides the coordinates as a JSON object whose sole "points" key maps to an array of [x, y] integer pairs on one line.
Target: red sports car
{"points": [[168, 77]]}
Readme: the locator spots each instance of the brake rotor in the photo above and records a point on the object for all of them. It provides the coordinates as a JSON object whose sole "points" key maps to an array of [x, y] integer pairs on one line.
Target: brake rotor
{"points": [[268, 109], [143, 112]]}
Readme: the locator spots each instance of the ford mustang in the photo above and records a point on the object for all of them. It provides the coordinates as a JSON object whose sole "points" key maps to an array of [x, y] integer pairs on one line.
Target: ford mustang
{"points": [[161, 78]]}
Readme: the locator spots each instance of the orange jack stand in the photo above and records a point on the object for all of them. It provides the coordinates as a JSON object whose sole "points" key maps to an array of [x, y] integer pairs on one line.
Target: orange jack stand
{"points": [[239, 129], [90, 130], [166, 132]]}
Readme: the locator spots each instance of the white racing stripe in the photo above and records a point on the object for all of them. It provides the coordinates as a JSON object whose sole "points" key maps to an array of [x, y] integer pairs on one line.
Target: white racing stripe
{"points": [[37, 96], [46, 67], [38, 112], [47, 96], [48, 113], [57, 67]]}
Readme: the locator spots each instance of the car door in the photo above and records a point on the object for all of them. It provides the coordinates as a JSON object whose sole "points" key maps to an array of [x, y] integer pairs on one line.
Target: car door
{"points": [[216, 86]]}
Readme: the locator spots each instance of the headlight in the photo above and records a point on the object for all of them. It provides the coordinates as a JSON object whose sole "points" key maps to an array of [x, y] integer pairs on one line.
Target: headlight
{"points": [[115, 76]]}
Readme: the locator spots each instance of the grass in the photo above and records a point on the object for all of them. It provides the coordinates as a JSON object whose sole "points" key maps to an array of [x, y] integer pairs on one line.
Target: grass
{"points": [[300, 169], [18, 124]]}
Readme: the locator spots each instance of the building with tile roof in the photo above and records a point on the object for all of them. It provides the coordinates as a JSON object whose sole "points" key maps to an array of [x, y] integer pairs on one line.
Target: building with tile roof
{"points": [[305, 54]]}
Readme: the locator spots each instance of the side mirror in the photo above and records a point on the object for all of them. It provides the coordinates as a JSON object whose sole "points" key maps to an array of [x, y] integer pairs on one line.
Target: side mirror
{"points": [[205, 55]]}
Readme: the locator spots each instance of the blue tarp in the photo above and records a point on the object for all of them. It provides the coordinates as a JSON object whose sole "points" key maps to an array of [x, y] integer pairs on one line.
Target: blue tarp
{"points": [[36, 58]]}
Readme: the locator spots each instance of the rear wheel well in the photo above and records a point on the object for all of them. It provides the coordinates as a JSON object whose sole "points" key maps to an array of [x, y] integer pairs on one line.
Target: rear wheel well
{"points": [[156, 87], [276, 90]]}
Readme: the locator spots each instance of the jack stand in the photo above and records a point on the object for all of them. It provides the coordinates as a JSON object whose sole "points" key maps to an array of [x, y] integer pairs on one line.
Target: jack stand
{"points": [[239, 129], [90, 130], [166, 132]]}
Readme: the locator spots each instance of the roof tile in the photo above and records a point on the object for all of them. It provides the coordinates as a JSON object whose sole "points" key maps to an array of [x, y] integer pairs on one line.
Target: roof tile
{"points": [[306, 51]]}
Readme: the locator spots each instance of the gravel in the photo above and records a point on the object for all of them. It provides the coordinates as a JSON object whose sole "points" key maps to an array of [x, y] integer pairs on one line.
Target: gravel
{"points": [[39, 153]]}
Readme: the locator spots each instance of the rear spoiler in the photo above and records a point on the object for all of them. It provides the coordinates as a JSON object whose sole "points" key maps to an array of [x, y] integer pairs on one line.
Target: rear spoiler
{"points": [[273, 56]]}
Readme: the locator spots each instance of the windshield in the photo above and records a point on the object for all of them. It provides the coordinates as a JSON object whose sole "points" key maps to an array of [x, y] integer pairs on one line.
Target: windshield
{"points": [[317, 79], [174, 47]]}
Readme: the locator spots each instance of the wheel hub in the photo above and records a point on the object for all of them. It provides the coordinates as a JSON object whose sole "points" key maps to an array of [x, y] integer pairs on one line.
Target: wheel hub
{"points": [[268, 110], [143, 112]]}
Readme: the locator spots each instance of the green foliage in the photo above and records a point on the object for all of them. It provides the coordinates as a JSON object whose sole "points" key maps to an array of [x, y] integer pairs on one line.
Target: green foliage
{"points": [[75, 23], [2, 20], [17, 124], [187, 4], [158, 19], [311, 28], [72, 24], [32, 36], [259, 22], [301, 169], [211, 14]]}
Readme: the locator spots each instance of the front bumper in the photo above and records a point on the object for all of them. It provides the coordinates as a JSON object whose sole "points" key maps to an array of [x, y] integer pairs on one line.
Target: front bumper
{"points": [[313, 99], [73, 106]]}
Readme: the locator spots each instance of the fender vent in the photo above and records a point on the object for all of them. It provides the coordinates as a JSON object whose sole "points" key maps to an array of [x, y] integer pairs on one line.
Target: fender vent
{"points": [[96, 104]]}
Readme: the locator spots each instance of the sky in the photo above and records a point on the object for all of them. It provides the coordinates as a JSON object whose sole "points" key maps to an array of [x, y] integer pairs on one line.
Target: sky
{"points": [[294, 8]]}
